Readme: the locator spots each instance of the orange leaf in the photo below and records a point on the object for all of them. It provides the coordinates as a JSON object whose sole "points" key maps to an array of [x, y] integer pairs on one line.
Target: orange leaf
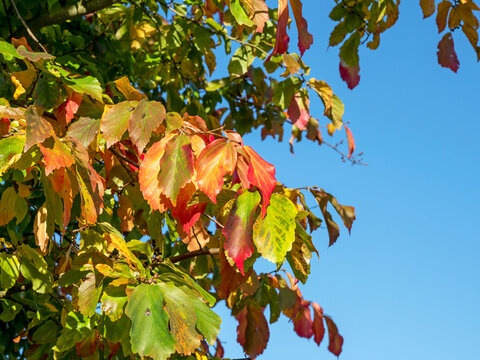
{"points": [[216, 160], [148, 175], [68, 108], [335, 340], [56, 155], [40, 229], [130, 93], [351, 141], [262, 175], [428, 7]]}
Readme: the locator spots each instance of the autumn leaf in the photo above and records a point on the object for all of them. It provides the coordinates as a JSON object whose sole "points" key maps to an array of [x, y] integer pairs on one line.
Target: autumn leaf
{"points": [[176, 167], [38, 129], [215, 161], [298, 110], [428, 7], [7, 205], [130, 93], [84, 129], [351, 141], [447, 57], [238, 229], [349, 74], [275, 233], [317, 325], [252, 330], [305, 39], [335, 340], [56, 155], [325, 93], [66, 111], [146, 117], [40, 229], [115, 121], [262, 175], [443, 8], [281, 39]]}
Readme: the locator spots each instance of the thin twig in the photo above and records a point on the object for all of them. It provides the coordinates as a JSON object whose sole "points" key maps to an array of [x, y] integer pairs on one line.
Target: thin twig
{"points": [[192, 254], [124, 158], [26, 26], [214, 220]]}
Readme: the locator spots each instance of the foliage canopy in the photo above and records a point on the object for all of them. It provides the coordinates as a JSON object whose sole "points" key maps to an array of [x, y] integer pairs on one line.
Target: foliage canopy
{"points": [[129, 203]]}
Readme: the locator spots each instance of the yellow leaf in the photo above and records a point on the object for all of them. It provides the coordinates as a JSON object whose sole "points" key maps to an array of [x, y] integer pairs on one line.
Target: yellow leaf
{"points": [[7, 206], [331, 129], [200, 355], [19, 90], [25, 77], [40, 229], [123, 85]]}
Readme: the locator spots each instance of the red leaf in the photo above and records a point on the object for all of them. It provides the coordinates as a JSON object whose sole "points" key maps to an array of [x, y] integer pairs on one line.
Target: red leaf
{"points": [[305, 39], [68, 108], [252, 330], [56, 155], [215, 161], [351, 75], [447, 57], [219, 351], [351, 141], [148, 175], [231, 278], [4, 126], [176, 167], [302, 322], [187, 215], [298, 111], [238, 229], [318, 327], [262, 175], [282, 39], [335, 340], [38, 129]]}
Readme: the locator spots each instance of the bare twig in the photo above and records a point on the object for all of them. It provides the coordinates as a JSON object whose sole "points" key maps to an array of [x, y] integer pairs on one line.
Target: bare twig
{"points": [[26, 26], [192, 254], [214, 220], [123, 160]]}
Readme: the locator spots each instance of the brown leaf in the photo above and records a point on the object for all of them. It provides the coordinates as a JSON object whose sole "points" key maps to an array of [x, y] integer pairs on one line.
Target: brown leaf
{"points": [[252, 330], [428, 7], [40, 229], [447, 57]]}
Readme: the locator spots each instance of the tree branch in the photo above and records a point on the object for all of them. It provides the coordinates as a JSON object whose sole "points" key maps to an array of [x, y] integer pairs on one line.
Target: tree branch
{"points": [[191, 254], [80, 8]]}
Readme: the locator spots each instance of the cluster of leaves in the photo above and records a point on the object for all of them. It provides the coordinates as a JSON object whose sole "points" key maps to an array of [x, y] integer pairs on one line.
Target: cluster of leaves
{"points": [[361, 21], [122, 223]]}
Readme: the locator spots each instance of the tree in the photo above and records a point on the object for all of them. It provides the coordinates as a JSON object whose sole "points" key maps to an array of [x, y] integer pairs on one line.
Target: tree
{"points": [[127, 211]]}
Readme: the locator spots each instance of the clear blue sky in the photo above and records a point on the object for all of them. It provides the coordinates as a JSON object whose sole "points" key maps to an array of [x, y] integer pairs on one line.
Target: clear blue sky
{"points": [[404, 285]]}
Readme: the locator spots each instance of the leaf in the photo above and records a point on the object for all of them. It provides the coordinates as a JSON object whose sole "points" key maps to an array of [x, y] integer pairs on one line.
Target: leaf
{"points": [[47, 93], [325, 93], [215, 161], [300, 254], [305, 39], [84, 129], [34, 268], [7, 205], [238, 229], [349, 50], [149, 333], [38, 129], [148, 174], [56, 155], [113, 302], [262, 175], [337, 112], [9, 270], [318, 327], [274, 235], [241, 60], [299, 111], [19, 90], [349, 74], [281, 37], [443, 8], [115, 121], [40, 229], [33, 56], [335, 340], [176, 167], [428, 7], [239, 13], [291, 63], [252, 330], [89, 293], [66, 111], [85, 85], [231, 278], [351, 141], [259, 14], [447, 57], [130, 93], [146, 117], [182, 319], [8, 51]]}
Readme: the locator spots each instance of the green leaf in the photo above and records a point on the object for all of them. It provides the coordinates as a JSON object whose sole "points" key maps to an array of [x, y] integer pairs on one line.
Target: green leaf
{"points": [[300, 255], [7, 205], [9, 51], [89, 294], [275, 234], [46, 333], [34, 268], [207, 321], [349, 50], [241, 60], [113, 302], [47, 93], [76, 329], [336, 114], [9, 270], [149, 333], [85, 85], [10, 148], [239, 13]]}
